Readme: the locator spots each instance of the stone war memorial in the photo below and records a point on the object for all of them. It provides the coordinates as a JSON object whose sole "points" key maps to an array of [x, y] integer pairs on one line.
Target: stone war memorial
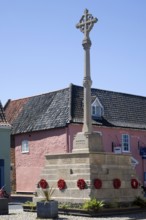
{"points": [[89, 172]]}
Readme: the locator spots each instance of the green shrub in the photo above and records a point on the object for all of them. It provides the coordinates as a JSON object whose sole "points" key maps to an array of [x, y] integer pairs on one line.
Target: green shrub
{"points": [[29, 203], [139, 202], [64, 206], [93, 205], [31, 206], [112, 204]]}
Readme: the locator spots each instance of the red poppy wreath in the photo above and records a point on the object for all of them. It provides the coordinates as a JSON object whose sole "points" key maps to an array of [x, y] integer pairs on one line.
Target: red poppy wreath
{"points": [[97, 183], [61, 184], [116, 183], [134, 183], [81, 183], [43, 184]]}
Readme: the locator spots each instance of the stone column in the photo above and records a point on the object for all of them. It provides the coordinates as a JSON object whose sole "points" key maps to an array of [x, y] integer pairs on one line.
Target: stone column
{"points": [[85, 25], [87, 82], [87, 140]]}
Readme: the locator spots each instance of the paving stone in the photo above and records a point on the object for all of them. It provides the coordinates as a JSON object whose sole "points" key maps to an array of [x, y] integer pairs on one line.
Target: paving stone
{"points": [[20, 215]]}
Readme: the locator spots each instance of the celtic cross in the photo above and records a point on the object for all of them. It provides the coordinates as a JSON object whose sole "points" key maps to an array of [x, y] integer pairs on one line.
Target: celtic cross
{"points": [[86, 23]]}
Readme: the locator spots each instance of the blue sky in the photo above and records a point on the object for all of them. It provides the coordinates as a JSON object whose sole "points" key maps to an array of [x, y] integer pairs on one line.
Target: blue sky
{"points": [[41, 50]]}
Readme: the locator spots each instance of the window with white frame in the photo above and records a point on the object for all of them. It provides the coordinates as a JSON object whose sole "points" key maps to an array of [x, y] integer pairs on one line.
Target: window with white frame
{"points": [[24, 146], [125, 143], [97, 108], [93, 110]]}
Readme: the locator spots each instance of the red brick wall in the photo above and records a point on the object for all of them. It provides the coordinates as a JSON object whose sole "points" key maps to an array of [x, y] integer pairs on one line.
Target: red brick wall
{"points": [[29, 165]]}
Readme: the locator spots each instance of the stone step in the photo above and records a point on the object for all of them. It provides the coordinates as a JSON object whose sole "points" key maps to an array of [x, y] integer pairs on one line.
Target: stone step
{"points": [[66, 166], [69, 171], [51, 177]]}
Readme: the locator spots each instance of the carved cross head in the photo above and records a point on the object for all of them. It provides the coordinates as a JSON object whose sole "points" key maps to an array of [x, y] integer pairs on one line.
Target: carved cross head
{"points": [[86, 23]]}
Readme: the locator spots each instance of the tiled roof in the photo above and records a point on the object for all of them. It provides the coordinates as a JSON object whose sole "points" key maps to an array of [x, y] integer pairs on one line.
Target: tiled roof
{"points": [[40, 112], [13, 108], [120, 109], [56, 109], [3, 121]]}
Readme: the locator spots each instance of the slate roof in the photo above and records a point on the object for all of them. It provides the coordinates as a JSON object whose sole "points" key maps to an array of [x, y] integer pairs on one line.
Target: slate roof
{"points": [[122, 110], [3, 121], [57, 109], [40, 112]]}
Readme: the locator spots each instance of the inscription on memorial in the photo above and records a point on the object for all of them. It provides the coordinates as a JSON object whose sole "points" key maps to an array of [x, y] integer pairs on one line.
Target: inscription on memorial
{"points": [[80, 142]]}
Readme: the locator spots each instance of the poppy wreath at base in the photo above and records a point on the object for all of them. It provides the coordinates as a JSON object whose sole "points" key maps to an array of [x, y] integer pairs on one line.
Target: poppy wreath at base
{"points": [[134, 183], [116, 183], [81, 183], [61, 184], [97, 183], [43, 184]]}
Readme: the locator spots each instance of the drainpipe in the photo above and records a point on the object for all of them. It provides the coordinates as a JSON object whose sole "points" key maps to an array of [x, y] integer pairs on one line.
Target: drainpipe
{"points": [[67, 140]]}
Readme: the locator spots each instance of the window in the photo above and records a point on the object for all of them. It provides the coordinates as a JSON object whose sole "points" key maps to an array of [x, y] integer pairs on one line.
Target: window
{"points": [[25, 147], [97, 109], [93, 110], [125, 143]]}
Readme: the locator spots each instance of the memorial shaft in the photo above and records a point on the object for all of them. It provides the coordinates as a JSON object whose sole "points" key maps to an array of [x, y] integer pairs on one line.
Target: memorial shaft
{"points": [[87, 82], [85, 25]]}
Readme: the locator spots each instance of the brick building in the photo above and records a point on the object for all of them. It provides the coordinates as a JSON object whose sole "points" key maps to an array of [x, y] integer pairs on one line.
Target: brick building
{"points": [[47, 123]]}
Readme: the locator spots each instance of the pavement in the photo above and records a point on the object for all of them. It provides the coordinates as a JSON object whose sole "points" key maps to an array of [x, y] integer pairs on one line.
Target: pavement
{"points": [[16, 213]]}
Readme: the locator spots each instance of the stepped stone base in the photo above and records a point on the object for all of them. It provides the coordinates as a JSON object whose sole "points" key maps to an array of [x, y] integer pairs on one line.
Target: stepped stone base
{"points": [[89, 166]]}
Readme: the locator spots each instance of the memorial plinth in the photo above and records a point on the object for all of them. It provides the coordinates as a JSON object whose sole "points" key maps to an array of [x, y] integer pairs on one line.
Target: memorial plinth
{"points": [[90, 166], [85, 143]]}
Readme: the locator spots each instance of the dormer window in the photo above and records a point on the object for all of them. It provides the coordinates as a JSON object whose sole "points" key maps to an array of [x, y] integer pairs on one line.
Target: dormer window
{"points": [[94, 110], [97, 108]]}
